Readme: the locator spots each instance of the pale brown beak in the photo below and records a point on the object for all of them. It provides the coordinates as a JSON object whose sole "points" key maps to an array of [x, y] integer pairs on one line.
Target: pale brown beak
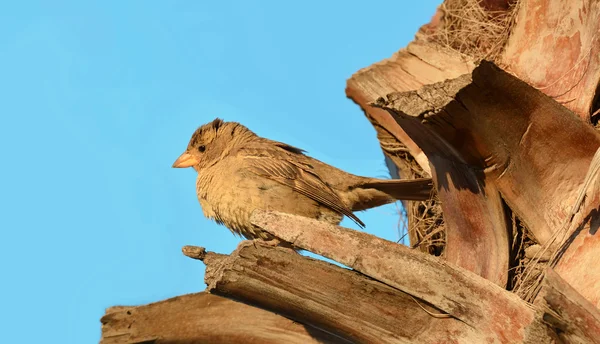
{"points": [[185, 160]]}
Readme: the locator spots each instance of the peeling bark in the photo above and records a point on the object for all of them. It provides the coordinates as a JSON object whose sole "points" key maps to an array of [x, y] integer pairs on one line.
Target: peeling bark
{"points": [[418, 64], [500, 126]]}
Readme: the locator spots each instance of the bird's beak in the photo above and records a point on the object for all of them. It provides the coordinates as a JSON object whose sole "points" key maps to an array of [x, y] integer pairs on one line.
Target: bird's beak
{"points": [[185, 160]]}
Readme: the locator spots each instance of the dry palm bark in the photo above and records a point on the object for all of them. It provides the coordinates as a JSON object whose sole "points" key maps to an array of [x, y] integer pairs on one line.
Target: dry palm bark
{"points": [[448, 288], [418, 64], [577, 320], [478, 242], [442, 304], [555, 47], [498, 125], [204, 318], [551, 44], [421, 299], [511, 145]]}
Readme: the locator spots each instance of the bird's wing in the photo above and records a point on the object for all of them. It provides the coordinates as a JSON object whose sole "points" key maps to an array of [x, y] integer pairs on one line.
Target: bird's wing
{"points": [[282, 165]]}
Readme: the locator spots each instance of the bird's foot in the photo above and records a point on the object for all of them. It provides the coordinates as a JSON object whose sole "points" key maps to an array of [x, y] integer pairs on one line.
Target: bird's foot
{"points": [[272, 242]]}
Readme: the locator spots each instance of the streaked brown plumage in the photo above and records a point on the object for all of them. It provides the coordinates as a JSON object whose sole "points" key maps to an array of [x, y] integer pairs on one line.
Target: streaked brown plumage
{"points": [[239, 172]]}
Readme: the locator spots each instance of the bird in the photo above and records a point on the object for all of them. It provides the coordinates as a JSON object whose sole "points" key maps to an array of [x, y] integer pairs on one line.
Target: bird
{"points": [[239, 172]]}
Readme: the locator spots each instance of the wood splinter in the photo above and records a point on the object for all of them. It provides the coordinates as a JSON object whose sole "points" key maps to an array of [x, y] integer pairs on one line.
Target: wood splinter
{"points": [[194, 252]]}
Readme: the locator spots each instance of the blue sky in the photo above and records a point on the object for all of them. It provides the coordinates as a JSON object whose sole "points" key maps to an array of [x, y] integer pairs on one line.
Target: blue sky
{"points": [[100, 97]]}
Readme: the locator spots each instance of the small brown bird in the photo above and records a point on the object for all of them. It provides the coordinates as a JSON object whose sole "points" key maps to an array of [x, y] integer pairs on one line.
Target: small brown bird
{"points": [[238, 172]]}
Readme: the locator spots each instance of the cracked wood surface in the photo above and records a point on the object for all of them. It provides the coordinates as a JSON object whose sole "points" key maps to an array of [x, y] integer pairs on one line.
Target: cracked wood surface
{"points": [[204, 318], [331, 298], [492, 311]]}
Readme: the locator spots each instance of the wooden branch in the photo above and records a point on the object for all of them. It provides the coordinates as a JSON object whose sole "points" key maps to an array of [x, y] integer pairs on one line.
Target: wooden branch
{"points": [[575, 318], [328, 297], [204, 318], [480, 304], [555, 47]]}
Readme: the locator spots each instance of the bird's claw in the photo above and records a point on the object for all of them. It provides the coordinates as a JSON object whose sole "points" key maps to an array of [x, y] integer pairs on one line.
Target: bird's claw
{"points": [[271, 242]]}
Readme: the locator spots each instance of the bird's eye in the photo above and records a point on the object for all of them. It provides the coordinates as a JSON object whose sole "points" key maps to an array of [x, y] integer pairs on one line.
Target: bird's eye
{"points": [[202, 148]]}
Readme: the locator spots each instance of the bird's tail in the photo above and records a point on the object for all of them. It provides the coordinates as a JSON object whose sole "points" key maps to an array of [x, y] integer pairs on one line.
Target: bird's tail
{"points": [[403, 189], [375, 192]]}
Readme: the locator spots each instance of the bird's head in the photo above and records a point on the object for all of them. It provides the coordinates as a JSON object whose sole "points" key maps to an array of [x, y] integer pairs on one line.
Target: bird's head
{"points": [[211, 142]]}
